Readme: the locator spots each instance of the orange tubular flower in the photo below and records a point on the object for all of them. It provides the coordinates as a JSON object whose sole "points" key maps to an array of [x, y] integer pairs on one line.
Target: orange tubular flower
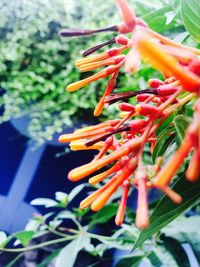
{"points": [[168, 171], [142, 220], [121, 142], [122, 206], [166, 63], [193, 171]]}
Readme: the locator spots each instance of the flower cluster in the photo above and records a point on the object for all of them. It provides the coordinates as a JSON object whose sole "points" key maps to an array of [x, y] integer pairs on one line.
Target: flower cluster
{"points": [[121, 141]]}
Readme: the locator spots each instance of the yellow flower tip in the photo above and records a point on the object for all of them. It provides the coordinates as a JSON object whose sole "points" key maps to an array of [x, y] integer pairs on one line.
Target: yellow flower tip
{"points": [[80, 145], [83, 205], [123, 114], [74, 86], [91, 59], [64, 138], [98, 109], [77, 145]]}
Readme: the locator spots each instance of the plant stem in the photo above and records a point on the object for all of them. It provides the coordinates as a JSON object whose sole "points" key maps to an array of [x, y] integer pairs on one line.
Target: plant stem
{"points": [[44, 244]]}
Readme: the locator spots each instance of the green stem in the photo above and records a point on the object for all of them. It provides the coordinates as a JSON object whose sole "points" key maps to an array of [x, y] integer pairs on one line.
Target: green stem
{"points": [[11, 263], [56, 232], [44, 244]]}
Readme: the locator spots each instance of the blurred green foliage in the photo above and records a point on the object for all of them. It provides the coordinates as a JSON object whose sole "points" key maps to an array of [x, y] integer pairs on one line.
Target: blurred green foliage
{"points": [[36, 64]]}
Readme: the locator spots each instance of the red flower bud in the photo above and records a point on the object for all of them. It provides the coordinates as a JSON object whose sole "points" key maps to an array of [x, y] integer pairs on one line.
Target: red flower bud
{"points": [[154, 83], [166, 90], [122, 40], [126, 107]]}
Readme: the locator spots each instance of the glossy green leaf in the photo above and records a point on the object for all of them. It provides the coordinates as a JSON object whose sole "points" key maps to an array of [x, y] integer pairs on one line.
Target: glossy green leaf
{"points": [[164, 141], [166, 211], [166, 123], [181, 123], [190, 11]]}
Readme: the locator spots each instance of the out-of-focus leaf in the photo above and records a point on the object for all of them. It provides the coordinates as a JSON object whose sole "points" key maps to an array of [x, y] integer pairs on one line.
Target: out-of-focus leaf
{"points": [[129, 261], [75, 191], [49, 258], [177, 251], [166, 211], [164, 141], [61, 197], [104, 214], [166, 123], [190, 11], [165, 256], [186, 229], [32, 225], [47, 202], [24, 237], [157, 19], [14, 261], [68, 254], [154, 259], [170, 16], [3, 237], [181, 123]]}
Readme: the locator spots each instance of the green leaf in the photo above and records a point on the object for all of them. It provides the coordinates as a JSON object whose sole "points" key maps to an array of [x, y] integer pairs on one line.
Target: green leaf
{"points": [[165, 256], [157, 19], [49, 258], [170, 140], [104, 214], [75, 192], [181, 123], [163, 143], [186, 230], [194, 240], [166, 123], [68, 254], [62, 198], [24, 237], [47, 202], [166, 211], [177, 251], [3, 237], [15, 260], [129, 261], [154, 259], [190, 11], [170, 16]]}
